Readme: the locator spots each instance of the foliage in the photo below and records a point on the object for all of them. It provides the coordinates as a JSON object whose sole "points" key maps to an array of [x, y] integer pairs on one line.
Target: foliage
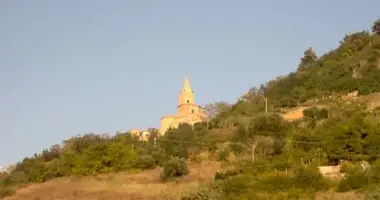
{"points": [[358, 176], [6, 191], [225, 174], [307, 60], [353, 180], [316, 113], [372, 193], [248, 182], [203, 193], [175, 167], [376, 27], [346, 166], [212, 110], [350, 67], [145, 161], [187, 144], [309, 177], [223, 154]]}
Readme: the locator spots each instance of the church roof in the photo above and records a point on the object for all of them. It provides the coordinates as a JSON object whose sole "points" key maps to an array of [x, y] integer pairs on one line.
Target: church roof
{"points": [[186, 84]]}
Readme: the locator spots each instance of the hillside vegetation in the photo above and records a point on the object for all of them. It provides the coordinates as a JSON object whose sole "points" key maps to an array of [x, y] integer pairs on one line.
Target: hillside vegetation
{"points": [[261, 155], [119, 186], [353, 66]]}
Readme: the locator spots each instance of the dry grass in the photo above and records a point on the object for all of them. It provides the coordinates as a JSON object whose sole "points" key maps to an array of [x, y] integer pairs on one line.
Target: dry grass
{"points": [[294, 114], [373, 100], [119, 186], [339, 196], [297, 113]]}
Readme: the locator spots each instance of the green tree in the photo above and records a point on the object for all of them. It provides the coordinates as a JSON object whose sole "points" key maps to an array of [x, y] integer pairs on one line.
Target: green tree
{"points": [[307, 60], [376, 27], [214, 109], [180, 142]]}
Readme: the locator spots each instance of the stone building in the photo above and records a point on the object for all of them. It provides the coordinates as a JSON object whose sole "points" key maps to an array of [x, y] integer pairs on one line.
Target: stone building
{"points": [[142, 135], [187, 111]]}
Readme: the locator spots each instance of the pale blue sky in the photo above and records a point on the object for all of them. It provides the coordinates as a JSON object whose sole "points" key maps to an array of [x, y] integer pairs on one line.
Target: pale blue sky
{"points": [[70, 67]]}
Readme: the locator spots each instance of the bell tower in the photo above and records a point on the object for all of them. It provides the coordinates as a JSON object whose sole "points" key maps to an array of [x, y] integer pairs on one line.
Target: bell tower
{"points": [[186, 105], [187, 111]]}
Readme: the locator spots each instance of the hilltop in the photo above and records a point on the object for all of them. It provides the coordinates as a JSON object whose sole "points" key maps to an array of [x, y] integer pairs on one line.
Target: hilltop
{"points": [[245, 151], [353, 67]]}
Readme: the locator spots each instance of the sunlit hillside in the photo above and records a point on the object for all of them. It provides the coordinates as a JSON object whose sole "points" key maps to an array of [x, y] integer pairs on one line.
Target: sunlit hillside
{"points": [[118, 186]]}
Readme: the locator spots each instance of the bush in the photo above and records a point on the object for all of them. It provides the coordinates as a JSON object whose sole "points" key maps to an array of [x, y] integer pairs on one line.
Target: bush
{"points": [[145, 162], [223, 154], [316, 113], [202, 194], [237, 185], [226, 174], [159, 157], [48, 175], [297, 193], [196, 159], [309, 177], [6, 191], [303, 178], [275, 181], [372, 193], [347, 166], [174, 167], [353, 180]]}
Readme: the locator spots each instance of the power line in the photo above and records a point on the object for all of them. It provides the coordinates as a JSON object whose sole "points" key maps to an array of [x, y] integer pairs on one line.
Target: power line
{"points": [[242, 142], [286, 141]]}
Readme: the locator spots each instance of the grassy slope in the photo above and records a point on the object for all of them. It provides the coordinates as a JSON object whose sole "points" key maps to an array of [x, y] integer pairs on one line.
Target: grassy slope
{"points": [[140, 186], [339, 196], [297, 112], [119, 186]]}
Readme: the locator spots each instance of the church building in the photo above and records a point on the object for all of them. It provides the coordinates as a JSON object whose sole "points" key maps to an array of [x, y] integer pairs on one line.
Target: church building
{"points": [[187, 111]]}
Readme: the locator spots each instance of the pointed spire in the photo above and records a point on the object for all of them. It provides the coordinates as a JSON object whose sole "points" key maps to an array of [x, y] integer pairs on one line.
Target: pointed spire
{"points": [[186, 95], [186, 84]]}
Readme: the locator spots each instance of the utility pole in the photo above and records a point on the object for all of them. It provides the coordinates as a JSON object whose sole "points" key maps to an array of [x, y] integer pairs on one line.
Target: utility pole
{"points": [[266, 105]]}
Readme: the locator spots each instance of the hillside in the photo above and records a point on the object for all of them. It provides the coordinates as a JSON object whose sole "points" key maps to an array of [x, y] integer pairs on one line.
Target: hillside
{"points": [[296, 113], [143, 185], [248, 150], [354, 66]]}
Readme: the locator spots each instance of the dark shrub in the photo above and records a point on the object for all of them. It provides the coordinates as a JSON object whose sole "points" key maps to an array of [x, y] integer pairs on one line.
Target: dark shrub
{"points": [[226, 174], [202, 194], [223, 155], [145, 162], [353, 180], [174, 167], [6, 191], [309, 177]]}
